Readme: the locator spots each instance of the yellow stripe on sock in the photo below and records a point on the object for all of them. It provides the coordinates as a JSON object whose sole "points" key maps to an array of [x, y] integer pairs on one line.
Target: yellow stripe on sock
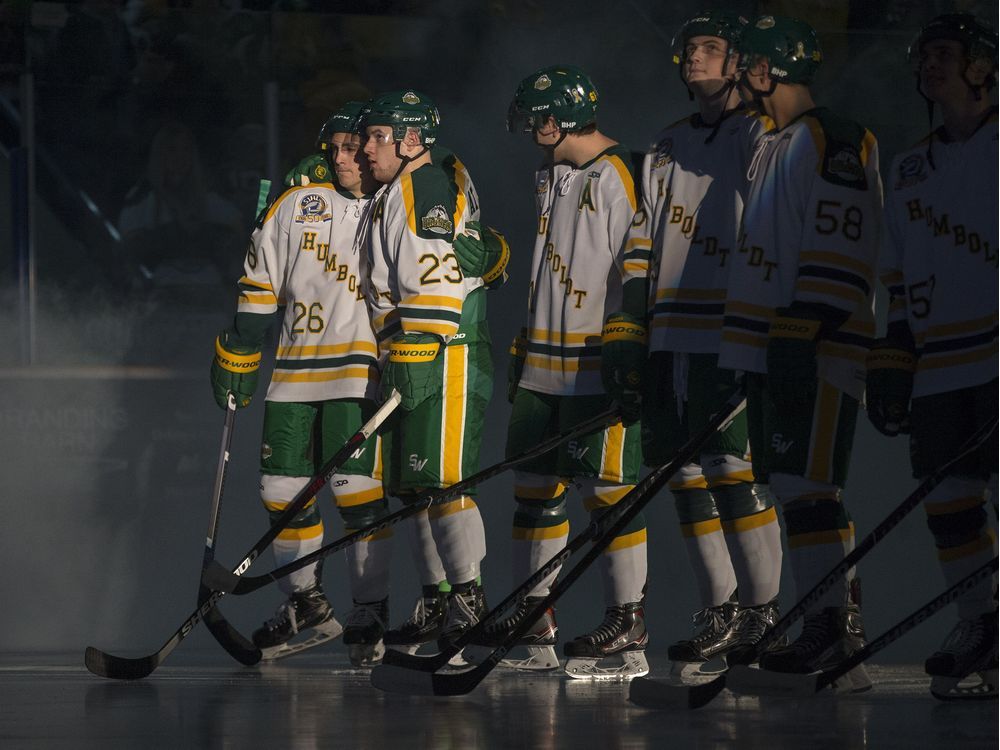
{"points": [[980, 544], [747, 523], [816, 538], [536, 534], [700, 528], [455, 506], [627, 540], [954, 506]]}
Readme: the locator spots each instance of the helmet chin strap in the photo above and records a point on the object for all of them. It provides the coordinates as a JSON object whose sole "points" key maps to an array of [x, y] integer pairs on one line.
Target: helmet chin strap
{"points": [[723, 93], [758, 95], [404, 160]]}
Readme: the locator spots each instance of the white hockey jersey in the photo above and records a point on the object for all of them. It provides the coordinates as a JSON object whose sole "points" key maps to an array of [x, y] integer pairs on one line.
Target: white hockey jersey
{"points": [[303, 256], [686, 230], [940, 258], [810, 234], [416, 284], [577, 270]]}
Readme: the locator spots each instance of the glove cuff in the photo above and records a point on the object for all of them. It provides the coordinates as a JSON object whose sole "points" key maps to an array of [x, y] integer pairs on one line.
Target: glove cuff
{"points": [[788, 327], [891, 358], [519, 346], [238, 362], [625, 328], [492, 236], [413, 352]]}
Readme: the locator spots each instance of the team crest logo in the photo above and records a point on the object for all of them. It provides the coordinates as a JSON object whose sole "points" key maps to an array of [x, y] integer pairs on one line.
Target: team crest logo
{"points": [[846, 166], [663, 151], [542, 183], [321, 172], [765, 22], [265, 451], [312, 208], [410, 98], [437, 220], [542, 82], [911, 171]]}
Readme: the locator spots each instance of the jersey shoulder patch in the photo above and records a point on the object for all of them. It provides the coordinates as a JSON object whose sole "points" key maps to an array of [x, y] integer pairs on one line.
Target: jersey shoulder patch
{"points": [[843, 147], [430, 205]]}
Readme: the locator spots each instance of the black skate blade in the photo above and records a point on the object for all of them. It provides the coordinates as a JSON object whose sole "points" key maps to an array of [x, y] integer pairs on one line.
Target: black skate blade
{"points": [[118, 667], [744, 680], [650, 693], [218, 578]]}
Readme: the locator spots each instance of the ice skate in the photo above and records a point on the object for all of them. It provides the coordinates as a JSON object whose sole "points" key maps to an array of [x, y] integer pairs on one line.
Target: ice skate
{"points": [[423, 626], [534, 651], [306, 613], [614, 650], [965, 667], [702, 656], [828, 637], [363, 632], [464, 609]]}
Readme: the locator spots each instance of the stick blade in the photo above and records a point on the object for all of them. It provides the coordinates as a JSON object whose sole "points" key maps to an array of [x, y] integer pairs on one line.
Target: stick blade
{"points": [[218, 578], [745, 680], [390, 678], [429, 663], [658, 694], [232, 640], [118, 667]]}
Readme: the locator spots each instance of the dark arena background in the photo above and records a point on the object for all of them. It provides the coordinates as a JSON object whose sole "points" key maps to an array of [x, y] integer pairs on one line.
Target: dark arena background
{"points": [[109, 433]]}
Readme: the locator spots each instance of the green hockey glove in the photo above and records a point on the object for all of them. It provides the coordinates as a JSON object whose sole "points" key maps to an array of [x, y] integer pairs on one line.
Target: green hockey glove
{"points": [[414, 368], [791, 357], [518, 352], [623, 360], [234, 369], [889, 386], [314, 168], [482, 252]]}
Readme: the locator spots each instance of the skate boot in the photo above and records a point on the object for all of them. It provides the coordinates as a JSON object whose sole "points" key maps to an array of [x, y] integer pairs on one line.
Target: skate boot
{"points": [[423, 626], [306, 612], [466, 607], [828, 637], [535, 650], [965, 667], [363, 632], [702, 655], [614, 650], [749, 629]]}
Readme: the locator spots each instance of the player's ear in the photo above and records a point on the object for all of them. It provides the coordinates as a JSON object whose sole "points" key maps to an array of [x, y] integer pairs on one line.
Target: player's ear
{"points": [[412, 137]]}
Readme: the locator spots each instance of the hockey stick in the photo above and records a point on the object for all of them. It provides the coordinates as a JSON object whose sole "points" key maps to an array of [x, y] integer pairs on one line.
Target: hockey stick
{"points": [[220, 579], [421, 681], [234, 642], [745, 680], [657, 694], [123, 668]]}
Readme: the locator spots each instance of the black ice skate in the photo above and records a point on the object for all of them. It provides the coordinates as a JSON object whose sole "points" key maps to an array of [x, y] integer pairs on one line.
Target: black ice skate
{"points": [[614, 650], [307, 613], [965, 667], [828, 637], [363, 632], [703, 654], [466, 607], [534, 651], [423, 626], [749, 629]]}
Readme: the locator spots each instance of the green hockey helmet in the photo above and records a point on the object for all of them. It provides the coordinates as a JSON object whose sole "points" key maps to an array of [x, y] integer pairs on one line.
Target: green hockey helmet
{"points": [[719, 23], [403, 110], [976, 37], [347, 119], [561, 91], [790, 45]]}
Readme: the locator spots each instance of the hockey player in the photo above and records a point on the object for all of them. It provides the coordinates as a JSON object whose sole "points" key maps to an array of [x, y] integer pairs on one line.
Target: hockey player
{"points": [[430, 318], [934, 375], [798, 319], [679, 252], [324, 387], [586, 199]]}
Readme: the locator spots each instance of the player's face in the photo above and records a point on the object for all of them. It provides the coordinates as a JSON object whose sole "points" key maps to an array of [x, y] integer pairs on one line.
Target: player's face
{"points": [[547, 134], [706, 59], [941, 65], [380, 148], [349, 161]]}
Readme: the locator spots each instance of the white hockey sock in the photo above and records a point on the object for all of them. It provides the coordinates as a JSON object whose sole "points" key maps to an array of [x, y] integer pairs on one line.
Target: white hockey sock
{"points": [[460, 537], [424, 551]]}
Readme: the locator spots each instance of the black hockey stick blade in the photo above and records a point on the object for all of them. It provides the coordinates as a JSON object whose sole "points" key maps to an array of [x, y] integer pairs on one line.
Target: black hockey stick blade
{"points": [[219, 578], [233, 641], [450, 682], [650, 693], [750, 681], [119, 667], [244, 584]]}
